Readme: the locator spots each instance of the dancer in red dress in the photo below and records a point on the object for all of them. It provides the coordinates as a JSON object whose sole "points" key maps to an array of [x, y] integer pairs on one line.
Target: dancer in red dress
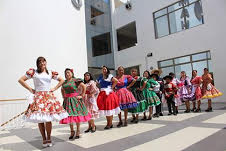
{"points": [[107, 100]]}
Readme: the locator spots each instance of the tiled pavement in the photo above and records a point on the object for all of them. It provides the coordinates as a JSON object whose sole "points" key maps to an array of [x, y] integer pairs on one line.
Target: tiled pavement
{"points": [[189, 132]]}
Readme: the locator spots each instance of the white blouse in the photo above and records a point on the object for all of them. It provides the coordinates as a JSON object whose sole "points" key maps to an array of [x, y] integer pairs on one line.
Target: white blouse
{"points": [[42, 81]]}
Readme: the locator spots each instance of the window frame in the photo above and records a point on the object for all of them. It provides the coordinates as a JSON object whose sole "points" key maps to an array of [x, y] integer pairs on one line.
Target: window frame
{"points": [[167, 14]]}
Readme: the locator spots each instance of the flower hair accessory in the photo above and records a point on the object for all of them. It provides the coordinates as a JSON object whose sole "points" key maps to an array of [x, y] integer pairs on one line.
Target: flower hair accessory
{"points": [[72, 70]]}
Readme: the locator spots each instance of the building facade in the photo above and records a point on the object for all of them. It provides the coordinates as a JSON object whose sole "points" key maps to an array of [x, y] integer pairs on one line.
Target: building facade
{"points": [[172, 35]]}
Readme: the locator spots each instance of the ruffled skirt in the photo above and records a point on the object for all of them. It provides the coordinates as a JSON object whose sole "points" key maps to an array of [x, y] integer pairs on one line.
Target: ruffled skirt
{"points": [[210, 92], [108, 104], [77, 111], [126, 99], [142, 104], [44, 108], [92, 107], [151, 97]]}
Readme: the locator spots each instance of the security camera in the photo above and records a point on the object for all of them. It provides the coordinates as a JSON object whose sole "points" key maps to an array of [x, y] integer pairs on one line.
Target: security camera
{"points": [[128, 6]]}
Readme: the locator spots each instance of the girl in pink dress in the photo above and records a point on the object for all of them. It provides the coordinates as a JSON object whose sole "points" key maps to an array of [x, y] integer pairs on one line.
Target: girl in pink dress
{"points": [[92, 92], [208, 90], [196, 91], [126, 98]]}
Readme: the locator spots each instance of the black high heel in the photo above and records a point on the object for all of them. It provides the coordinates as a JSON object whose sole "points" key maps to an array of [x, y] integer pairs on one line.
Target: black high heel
{"points": [[88, 130], [197, 110], [209, 109], [119, 124], [72, 136], [93, 130], [77, 135]]}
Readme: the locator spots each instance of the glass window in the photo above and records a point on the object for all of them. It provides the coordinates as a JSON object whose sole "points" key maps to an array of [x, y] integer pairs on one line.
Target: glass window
{"points": [[160, 13], [208, 55], [162, 27], [178, 16], [127, 36], [194, 15], [167, 70], [166, 63], [200, 56], [176, 21], [210, 65], [127, 71], [185, 67], [199, 66], [174, 7], [182, 60], [101, 44]]}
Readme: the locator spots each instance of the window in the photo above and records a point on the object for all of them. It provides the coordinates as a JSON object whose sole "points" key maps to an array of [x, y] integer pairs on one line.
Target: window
{"points": [[187, 63], [127, 71], [127, 36], [101, 44], [179, 16]]}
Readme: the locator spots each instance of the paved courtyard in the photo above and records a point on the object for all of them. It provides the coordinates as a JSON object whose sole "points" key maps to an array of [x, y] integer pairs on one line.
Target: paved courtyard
{"points": [[188, 132]]}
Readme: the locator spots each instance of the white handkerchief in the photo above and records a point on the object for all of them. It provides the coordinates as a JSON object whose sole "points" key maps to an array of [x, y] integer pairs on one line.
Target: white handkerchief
{"points": [[30, 98]]}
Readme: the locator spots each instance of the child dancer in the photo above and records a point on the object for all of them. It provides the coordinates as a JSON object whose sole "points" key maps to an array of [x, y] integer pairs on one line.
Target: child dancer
{"points": [[170, 91]]}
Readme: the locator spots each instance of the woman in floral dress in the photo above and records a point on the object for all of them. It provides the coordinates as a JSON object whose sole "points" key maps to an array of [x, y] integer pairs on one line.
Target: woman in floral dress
{"points": [[74, 102], [44, 107], [92, 92], [208, 90]]}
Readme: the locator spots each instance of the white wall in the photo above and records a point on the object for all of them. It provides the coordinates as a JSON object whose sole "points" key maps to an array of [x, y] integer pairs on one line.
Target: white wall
{"points": [[209, 36], [32, 28]]}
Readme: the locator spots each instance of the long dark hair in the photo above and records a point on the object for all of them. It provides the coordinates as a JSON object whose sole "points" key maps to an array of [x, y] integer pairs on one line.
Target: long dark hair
{"points": [[68, 69], [38, 61], [108, 71], [149, 75], [90, 75]]}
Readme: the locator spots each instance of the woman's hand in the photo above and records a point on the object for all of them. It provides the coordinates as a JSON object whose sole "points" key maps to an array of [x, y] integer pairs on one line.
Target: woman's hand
{"points": [[53, 89], [32, 91], [79, 97]]}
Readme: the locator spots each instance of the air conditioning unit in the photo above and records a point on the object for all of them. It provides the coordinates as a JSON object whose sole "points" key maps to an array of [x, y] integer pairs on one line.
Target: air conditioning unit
{"points": [[93, 22]]}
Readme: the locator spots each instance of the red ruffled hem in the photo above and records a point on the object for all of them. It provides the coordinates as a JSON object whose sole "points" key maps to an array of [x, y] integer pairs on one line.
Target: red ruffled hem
{"points": [[76, 119]]}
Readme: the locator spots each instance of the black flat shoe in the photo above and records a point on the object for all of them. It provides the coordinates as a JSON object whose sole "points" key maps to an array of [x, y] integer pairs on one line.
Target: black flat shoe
{"points": [[169, 113], [209, 110], [197, 110], [187, 111], [93, 130], [136, 121], [144, 118], [150, 118], [88, 130], [193, 110], [72, 136], [133, 120], [77, 137], [160, 114], [119, 124], [108, 127], [125, 124]]}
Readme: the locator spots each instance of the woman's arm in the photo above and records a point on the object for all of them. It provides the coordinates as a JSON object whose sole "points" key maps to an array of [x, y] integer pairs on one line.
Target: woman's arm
{"points": [[131, 84], [114, 82], [83, 87], [63, 92], [25, 85], [61, 81], [143, 86]]}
